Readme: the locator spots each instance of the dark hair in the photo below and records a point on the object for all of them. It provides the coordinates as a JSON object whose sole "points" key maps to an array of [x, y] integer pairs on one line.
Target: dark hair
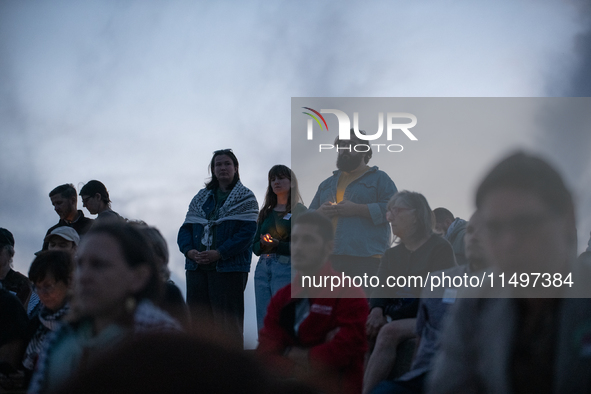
{"points": [[93, 187], [322, 223], [158, 242], [213, 182], [159, 246], [137, 251], [443, 214], [67, 191], [270, 201], [425, 218], [55, 262], [354, 137], [6, 237], [529, 173]]}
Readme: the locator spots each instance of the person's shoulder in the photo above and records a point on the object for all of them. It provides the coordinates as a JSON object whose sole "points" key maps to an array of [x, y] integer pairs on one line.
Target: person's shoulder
{"points": [[377, 172], [203, 192], [379, 177], [460, 226], [201, 196], [172, 292], [243, 187], [299, 209], [82, 218], [397, 249], [8, 301], [59, 224], [108, 213], [150, 318], [109, 216], [244, 191], [437, 241], [17, 277], [335, 174], [439, 248]]}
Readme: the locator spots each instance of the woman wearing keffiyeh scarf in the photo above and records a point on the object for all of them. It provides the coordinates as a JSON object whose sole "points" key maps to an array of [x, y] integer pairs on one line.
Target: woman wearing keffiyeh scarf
{"points": [[48, 321], [116, 283], [216, 239], [51, 275]]}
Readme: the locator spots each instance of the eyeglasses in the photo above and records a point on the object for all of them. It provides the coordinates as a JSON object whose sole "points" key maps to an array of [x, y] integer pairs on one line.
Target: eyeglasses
{"points": [[397, 210], [85, 199], [222, 151]]}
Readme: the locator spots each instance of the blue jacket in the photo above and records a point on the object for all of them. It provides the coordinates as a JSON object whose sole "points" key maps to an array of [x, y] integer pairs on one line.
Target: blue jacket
{"points": [[233, 238], [359, 236]]}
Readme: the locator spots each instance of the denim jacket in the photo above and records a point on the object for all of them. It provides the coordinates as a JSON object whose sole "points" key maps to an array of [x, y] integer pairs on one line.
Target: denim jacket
{"points": [[355, 235], [233, 238]]}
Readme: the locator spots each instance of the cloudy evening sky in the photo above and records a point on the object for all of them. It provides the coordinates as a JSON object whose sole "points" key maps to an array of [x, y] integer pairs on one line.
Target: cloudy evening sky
{"points": [[138, 94]]}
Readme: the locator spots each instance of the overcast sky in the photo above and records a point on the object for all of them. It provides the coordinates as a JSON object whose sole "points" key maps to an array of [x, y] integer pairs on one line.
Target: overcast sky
{"points": [[138, 94]]}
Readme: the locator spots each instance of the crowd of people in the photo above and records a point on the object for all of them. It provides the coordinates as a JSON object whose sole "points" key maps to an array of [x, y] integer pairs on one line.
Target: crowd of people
{"points": [[98, 296]]}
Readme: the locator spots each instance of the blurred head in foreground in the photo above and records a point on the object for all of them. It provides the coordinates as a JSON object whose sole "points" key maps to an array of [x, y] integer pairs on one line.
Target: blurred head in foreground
{"points": [[528, 216], [177, 363]]}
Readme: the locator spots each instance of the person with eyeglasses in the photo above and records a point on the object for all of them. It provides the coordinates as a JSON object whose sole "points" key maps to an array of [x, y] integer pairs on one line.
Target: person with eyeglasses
{"points": [[51, 275], [523, 338], [394, 309], [116, 287], [95, 198], [434, 307], [216, 240]]}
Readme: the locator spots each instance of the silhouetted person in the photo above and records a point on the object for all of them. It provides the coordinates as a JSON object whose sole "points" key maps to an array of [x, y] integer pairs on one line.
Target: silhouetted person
{"points": [[355, 199], [313, 333], [13, 324], [116, 283], [392, 319], [95, 198], [433, 309], [12, 280], [172, 300], [521, 345], [216, 240], [453, 229], [64, 201], [272, 239]]}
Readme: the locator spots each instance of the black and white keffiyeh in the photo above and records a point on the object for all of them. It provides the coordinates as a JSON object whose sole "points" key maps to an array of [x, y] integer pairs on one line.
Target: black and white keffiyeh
{"points": [[49, 322], [148, 318], [241, 204]]}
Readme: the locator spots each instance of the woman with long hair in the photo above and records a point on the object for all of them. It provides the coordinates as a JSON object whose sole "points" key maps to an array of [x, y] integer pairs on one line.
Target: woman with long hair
{"points": [[51, 275], [272, 239], [216, 239], [393, 314], [116, 283]]}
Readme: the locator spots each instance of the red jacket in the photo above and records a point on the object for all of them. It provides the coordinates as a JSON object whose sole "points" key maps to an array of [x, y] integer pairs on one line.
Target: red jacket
{"points": [[343, 354]]}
